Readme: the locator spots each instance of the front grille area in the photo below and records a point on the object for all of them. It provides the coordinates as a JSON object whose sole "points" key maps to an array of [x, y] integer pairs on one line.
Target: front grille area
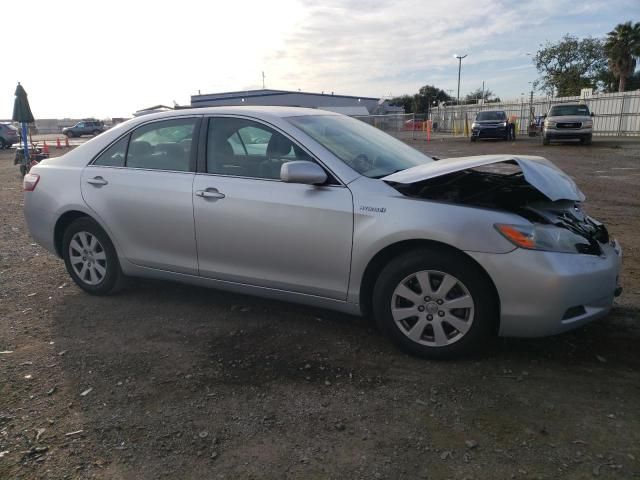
{"points": [[569, 125]]}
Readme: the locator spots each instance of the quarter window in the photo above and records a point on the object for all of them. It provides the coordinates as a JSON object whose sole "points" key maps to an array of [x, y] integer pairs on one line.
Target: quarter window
{"points": [[162, 145], [114, 155], [246, 148]]}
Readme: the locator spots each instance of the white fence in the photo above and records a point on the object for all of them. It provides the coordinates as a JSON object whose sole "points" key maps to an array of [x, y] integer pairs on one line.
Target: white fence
{"points": [[616, 114]]}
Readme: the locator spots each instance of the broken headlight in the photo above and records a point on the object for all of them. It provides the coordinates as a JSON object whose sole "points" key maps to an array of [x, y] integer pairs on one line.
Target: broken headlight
{"points": [[543, 237]]}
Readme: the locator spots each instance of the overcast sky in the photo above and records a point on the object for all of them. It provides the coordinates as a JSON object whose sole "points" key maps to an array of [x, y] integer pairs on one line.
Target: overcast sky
{"points": [[104, 59]]}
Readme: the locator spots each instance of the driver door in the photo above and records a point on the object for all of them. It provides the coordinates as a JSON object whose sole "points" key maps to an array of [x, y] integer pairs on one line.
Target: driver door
{"points": [[254, 229]]}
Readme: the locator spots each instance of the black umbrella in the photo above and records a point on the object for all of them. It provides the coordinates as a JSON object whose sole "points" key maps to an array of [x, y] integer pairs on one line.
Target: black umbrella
{"points": [[22, 113]]}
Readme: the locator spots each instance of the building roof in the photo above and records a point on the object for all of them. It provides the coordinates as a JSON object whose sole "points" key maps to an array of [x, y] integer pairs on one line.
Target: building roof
{"points": [[264, 93]]}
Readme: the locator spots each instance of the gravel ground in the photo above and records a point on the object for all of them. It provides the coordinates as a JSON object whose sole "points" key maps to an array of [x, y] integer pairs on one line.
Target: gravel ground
{"points": [[172, 381]]}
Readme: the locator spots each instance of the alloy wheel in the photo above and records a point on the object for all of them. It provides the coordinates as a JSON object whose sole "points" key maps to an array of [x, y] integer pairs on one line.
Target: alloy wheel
{"points": [[432, 308], [88, 258]]}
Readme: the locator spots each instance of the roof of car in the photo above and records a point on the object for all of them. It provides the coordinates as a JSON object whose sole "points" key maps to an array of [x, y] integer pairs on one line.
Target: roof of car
{"points": [[248, 110], [568, 104]]}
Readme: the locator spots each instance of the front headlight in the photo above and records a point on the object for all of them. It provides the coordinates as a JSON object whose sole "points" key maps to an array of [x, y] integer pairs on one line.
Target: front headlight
{"points": [[503, 124], [474, 125], [542, 237], [549, 124], [588, 123]]}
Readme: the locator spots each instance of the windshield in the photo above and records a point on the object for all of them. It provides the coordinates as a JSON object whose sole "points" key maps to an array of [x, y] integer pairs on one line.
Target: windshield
{"points": [[561, 110], [490, 116], [367, 150]]}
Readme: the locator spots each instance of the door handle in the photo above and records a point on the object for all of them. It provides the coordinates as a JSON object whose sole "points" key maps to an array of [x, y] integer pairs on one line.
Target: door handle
{"points": [[97, 181], [210, 193]]}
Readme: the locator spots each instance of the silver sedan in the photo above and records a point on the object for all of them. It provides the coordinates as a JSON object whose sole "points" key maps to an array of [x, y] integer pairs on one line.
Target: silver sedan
{"points": [[322, 209]]}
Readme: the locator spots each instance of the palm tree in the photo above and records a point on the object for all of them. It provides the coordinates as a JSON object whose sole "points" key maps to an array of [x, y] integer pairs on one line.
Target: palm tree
{"points": [[622, 47]]}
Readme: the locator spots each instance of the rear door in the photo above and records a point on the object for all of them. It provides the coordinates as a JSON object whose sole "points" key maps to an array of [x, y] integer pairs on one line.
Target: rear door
{"points": [[141, 189]]}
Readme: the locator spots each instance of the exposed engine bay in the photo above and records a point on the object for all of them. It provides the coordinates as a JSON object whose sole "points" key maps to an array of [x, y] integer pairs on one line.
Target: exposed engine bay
{"points": [[503, 186]]}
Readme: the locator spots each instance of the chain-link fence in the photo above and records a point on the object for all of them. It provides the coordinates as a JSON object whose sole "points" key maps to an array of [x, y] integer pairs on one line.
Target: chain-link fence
{"points": [[405, 126], [615, 114]]}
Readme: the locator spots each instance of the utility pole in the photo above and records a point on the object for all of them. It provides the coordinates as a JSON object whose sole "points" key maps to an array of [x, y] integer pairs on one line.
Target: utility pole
{"points": [[532, 116], [459, 57], [263, 80]]}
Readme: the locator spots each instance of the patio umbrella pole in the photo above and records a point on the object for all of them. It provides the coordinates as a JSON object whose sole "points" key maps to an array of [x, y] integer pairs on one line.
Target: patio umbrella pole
{"points": [[25, 141]]}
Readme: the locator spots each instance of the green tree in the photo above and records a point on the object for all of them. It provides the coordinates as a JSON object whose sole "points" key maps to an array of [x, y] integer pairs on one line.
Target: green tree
{"points": [[477, 94], [405, 101], [423, 101], [571, 64], [622, 48]]}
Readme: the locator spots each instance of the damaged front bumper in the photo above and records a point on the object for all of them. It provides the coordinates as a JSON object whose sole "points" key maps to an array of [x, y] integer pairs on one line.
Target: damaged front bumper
{"points": [[546, 293]]}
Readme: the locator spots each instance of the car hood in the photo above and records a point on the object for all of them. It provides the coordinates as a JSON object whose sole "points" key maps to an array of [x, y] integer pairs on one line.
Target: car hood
{"points": [[538, 172]]}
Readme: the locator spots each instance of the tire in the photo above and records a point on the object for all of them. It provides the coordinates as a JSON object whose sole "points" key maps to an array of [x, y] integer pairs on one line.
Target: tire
{"points": [[586, 140], [545, 140], [473, 322], [3, 144], [87, 248], [96, 133], [70, 134], [472, 139]]}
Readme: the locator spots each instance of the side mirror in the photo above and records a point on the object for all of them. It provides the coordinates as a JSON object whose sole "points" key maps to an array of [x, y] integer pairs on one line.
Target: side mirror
{"points": [[544, 116], [302, 171], [592, 114]]}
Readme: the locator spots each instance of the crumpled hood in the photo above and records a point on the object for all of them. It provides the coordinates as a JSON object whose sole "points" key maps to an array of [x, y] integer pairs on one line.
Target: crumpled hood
{"points": [[538, 172]]}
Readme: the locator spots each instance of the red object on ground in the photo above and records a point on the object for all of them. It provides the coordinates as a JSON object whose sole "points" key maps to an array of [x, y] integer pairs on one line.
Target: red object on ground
{"points": [[66, 142], [45, 147], [58, 143]]}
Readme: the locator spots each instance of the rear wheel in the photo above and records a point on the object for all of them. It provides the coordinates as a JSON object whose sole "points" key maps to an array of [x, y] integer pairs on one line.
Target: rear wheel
{"points": [[435, 303], [70, 134], [90, 257], [3, 144], [96, 132]]}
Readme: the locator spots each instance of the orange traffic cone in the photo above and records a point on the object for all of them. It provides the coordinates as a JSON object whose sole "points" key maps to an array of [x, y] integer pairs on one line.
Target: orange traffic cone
{"points": [[58, 143], [66, 142], [45, 147]]}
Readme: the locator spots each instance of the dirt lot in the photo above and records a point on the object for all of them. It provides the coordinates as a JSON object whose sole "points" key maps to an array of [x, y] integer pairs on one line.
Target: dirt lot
{"points": [[172, 381]]}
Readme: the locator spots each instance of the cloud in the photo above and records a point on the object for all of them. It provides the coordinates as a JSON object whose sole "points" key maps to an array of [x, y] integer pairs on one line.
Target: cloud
{"points": [[370, 47]]}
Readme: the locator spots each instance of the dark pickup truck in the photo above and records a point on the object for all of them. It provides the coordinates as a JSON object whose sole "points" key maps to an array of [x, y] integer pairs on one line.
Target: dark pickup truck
{"points": [[492, 124]]}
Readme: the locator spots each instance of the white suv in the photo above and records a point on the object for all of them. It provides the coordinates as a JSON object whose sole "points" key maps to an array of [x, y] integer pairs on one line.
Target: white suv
{"points": [[568, 121]]}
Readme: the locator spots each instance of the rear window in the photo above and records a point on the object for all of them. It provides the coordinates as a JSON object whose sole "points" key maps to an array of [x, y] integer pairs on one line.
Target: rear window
{"points": [[562, 110], [490, 116]]}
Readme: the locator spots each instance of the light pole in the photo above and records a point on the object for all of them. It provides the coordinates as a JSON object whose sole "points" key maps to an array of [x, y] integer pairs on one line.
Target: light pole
{"points": [[459, 57]]}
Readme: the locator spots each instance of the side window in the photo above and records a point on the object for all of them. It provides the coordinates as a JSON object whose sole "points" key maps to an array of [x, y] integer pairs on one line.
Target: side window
{"points": [[246, 148], [164, 145], [114, 155]]}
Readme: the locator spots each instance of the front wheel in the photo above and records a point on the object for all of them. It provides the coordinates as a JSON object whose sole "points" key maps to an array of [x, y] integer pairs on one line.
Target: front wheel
{"points": [[435, 304], [545, 140], [90, 257]]}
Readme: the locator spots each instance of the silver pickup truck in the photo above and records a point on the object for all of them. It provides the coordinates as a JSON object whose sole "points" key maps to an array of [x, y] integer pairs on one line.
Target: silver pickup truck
{"points": [[568, 121]]}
